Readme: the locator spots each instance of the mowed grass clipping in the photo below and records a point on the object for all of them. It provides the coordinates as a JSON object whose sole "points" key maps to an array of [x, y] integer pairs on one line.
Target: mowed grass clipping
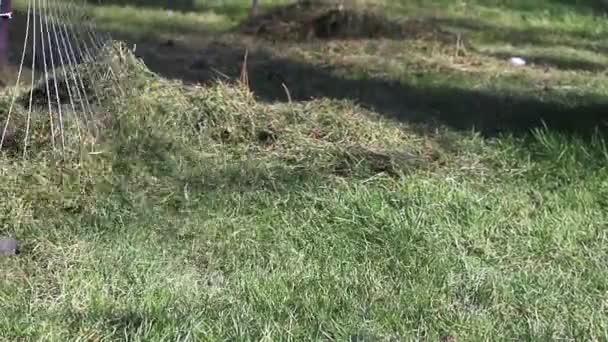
{"points": [[204, 214]]}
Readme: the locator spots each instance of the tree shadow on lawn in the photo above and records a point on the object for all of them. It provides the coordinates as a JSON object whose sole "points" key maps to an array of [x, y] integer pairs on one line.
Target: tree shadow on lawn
{"points": [[554, 62], [233, 9], [537, 37], [179, 5], [462, 109], [598, 6], [581, 6]]}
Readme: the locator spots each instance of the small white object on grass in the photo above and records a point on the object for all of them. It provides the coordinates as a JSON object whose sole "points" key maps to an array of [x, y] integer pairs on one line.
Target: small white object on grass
{"points": [[517, 61]]}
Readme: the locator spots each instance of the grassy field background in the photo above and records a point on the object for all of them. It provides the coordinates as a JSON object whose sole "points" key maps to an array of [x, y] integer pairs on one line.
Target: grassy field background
{"points": [[410, 186]]}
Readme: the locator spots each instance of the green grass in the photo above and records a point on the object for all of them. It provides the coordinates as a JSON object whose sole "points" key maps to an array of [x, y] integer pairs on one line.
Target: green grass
{"points": [[211, 213]]}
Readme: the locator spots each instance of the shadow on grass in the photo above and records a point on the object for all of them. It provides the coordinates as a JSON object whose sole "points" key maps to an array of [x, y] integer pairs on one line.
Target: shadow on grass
{"points": [[537, 37], [554, 62], [526, 6], [179, 5], [463, 109], [598, 6]]}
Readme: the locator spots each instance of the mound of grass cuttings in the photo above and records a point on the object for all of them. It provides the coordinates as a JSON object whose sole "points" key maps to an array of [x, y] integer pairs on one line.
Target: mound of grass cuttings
{"points": [[223, 125], [310, 19]]}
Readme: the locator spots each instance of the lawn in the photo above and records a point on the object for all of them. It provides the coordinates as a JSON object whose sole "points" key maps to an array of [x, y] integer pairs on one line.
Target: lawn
{"points": [[408, 185]]}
